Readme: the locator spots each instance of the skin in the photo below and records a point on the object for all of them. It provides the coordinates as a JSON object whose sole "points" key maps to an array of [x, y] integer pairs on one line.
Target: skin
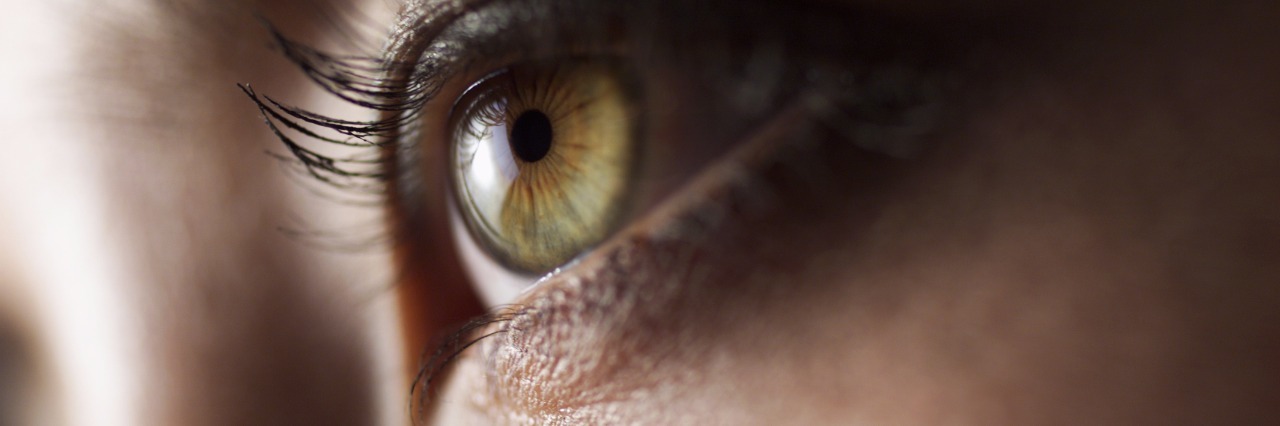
{"points": [[1092, 240], [142, 252]]}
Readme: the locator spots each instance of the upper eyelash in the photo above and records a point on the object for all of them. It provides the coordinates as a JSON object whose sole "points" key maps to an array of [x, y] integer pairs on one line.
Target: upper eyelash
{"points": [[396, 85], [393, 87]]}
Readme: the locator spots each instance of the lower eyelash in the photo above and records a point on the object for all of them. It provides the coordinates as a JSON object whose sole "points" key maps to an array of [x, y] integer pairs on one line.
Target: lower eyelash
{"points": [[452, 346]]}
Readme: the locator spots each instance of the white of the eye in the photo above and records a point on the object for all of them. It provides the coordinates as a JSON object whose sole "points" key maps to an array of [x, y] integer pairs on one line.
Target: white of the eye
{"points": [[496, 284], [487, 170]]}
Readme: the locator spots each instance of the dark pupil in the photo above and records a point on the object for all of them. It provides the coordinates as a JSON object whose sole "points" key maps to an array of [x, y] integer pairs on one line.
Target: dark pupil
{"points": [[531, 136]]}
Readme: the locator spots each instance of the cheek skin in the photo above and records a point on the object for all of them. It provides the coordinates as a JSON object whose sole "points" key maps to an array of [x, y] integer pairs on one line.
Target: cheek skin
{"points": [[1092, 245]]}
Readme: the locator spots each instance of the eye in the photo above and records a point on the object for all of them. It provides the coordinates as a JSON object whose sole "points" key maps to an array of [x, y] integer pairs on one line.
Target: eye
{"points": [[542, 157], [679, 120]]}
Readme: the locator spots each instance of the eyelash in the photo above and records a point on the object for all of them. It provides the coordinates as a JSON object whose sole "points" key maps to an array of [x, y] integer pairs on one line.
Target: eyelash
{"points": [[397, 87], [351, 80]]}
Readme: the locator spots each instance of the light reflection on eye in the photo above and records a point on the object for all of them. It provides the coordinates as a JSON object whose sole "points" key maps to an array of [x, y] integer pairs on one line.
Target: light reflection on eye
{"points": [[542, 160]]}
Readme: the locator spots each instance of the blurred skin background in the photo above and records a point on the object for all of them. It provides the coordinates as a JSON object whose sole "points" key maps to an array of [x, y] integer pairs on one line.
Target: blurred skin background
{"points": [[1090, 234], [145, 278]]}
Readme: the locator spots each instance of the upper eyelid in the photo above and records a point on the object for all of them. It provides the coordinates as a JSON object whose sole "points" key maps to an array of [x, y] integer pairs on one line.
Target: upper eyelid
{"points": [[435, 41], [431, 47], [398, 83]]}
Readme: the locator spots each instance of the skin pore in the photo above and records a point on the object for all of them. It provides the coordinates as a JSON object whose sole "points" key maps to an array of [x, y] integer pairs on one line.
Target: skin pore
{"points": [[1089, 236]]}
